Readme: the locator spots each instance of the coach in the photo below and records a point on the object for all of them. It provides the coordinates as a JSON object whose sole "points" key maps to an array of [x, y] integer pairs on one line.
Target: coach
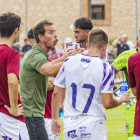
{"points": [[34, 73]]}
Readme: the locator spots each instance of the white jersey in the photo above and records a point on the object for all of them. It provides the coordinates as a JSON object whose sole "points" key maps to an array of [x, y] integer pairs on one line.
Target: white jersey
{"points": [[72, 46], [85, 78]]}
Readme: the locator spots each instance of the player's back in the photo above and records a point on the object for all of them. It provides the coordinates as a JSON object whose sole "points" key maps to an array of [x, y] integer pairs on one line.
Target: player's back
{"points": [[84, 79]]}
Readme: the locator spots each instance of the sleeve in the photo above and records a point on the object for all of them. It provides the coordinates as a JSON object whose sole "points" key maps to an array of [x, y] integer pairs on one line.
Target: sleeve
{"points": [[120, 62], [132, 81], [13, 63], [108, 79], [37, 61], [60, 78]]}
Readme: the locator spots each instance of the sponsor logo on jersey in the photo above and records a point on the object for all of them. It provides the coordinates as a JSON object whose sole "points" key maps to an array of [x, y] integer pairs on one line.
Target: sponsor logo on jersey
{"points": [[75, 118], [85, 60], [126, 125], [72, 134], [86, 135], [83, 129]]}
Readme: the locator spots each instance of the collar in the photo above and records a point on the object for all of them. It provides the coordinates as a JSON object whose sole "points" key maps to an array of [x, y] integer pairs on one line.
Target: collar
{"points": [[37, 47]]}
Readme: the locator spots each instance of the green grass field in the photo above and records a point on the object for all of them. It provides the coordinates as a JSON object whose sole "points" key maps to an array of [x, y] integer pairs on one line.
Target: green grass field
{"points": [[115, 124]]}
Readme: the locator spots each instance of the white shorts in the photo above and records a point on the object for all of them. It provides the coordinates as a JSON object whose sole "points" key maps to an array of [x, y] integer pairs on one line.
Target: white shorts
{"points": [[51, 136], [92, 131], [136, 137], [12, 129]]}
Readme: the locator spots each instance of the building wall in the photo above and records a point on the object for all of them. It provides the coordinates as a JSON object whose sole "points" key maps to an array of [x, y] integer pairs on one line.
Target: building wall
{"points": [[64, 12], [61, 12], [123, 18]]}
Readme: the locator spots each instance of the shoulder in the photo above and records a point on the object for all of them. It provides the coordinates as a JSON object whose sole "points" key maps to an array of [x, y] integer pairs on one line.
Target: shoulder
{"points": [[135, 57], [13, 52]]}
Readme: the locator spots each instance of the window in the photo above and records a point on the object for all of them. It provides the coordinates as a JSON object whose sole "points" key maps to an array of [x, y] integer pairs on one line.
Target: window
{"points": [[97, 12], [97, 9]]}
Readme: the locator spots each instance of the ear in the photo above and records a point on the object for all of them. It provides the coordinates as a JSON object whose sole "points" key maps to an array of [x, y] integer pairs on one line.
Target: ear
{"points": [[16, 31], [105, 46], [87, 32], [41, 38], [87, 45]]}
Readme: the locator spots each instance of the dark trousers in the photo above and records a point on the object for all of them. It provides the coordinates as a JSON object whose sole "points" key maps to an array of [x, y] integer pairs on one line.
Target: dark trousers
{"points": [[36, 128]]}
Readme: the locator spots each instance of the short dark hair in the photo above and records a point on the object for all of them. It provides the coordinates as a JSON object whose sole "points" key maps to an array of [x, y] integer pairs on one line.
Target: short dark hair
{"points": [[25, 39], [98, 37], [39, 29], [8, 23], [31, 34], [83, 23]]}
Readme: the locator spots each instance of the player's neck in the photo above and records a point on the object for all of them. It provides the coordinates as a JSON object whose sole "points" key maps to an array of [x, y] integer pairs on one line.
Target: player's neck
{"points": [[84, 44], [94, 52], [7, 41]]}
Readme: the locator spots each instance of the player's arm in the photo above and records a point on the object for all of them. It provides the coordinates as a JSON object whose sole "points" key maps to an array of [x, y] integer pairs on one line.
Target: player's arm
{"points": [[13, 96], [12, 76], [50, 84], [62, 99], [120, 63], [107, 90], [110, 102], [56, 100], [134, 89]]}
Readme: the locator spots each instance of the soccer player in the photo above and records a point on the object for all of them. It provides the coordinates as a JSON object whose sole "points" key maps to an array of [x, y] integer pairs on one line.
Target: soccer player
{"points": [[134, 83], [88, 83], [12, 120], [81, 28], [31, 37], [121, 64]]}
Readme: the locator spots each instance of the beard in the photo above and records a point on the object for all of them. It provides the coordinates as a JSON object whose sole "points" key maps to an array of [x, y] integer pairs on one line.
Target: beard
{"points": [[49, 45], [80, 41]]}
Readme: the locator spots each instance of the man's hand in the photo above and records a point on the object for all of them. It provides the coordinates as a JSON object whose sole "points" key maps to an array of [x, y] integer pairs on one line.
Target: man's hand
{"points": [[18, 112], [56, 127], [125, 97], [68, 52]]}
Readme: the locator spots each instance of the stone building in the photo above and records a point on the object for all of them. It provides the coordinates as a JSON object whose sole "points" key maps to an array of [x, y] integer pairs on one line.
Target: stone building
{"points": [[115, 16]]}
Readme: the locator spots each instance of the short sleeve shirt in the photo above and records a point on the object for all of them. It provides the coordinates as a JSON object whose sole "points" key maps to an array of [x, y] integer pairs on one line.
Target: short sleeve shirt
{"points": [[121, 63], [121, 49], [85, 79], [26, 48], [134, 80], [33, 85], [9, 63]]}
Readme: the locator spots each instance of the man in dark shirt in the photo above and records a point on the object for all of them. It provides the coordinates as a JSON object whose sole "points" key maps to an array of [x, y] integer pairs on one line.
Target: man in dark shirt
{"points": [[26, 47], [122, 46]]}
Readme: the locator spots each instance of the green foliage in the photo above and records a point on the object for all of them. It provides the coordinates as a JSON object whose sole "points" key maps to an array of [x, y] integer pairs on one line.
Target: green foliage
{"points": [[111, 41]]}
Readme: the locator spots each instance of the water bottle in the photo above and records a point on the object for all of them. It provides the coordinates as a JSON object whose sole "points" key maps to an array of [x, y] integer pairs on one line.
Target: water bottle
{"points": [[123, 87]]}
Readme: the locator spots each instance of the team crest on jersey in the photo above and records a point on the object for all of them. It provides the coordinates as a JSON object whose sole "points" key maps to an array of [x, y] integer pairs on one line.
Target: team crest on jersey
{"points": [[72, 134], [126, 125], [85, 60]]}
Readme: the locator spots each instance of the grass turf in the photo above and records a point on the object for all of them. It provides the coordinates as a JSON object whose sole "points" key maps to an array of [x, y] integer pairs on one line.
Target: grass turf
{"points": [[115, 124]]}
